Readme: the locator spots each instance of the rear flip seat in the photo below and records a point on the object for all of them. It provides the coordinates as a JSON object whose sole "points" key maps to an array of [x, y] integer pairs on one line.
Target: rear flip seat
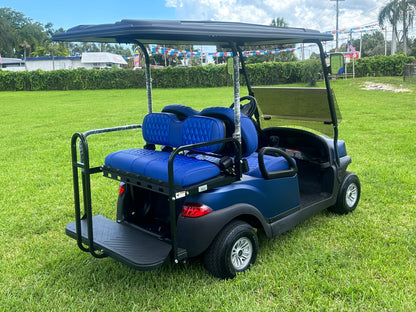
{"points": [[166, 129]]}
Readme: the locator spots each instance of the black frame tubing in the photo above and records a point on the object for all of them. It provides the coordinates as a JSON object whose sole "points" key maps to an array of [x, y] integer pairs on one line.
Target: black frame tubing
{"points": [[330, 100], [86, 171], [148, 77]]}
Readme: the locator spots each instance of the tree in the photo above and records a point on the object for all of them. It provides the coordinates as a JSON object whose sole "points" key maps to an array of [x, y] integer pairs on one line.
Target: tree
{"points": [[413, 48], [20, 37], [11, 22], [408, 12], [389, 13], [372, 44], [395, 11], [279, 22]]}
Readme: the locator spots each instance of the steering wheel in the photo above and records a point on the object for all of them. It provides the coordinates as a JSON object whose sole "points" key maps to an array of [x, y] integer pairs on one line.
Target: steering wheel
{"points": [[249, 108]]}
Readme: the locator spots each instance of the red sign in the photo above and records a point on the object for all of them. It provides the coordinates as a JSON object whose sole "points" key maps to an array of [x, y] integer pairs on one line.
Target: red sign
{"points": [[353, 55]]}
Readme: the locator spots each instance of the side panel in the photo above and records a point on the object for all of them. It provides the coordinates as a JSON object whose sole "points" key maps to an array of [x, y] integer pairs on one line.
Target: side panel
{"points": [[253, 199], [290, 221], [270, 197]]}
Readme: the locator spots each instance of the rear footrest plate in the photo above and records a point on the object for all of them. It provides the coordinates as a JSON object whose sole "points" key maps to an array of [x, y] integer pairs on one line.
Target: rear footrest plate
{"points": [[128, 245]]}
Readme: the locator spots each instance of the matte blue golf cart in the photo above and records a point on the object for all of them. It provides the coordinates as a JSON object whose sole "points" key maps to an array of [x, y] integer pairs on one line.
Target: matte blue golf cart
{"points": [[207, 181]]}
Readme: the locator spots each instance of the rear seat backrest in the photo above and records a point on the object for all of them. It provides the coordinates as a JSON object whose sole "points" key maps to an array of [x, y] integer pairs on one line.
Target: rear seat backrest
{"points": [[197, 129], [166, 129], [162, 129]]}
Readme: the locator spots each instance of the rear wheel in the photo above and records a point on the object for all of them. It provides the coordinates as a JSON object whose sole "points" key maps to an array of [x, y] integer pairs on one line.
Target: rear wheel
{"points": [[233, 250], [348, 196]]}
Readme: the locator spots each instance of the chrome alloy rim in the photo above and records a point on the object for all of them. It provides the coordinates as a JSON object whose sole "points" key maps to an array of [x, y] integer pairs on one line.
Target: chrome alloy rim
{"points": [[241, 253], [352, 195]]}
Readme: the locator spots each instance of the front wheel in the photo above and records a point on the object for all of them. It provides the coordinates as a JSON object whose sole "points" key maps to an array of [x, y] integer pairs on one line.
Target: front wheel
{"points": [[348, 196], [233, 250]]}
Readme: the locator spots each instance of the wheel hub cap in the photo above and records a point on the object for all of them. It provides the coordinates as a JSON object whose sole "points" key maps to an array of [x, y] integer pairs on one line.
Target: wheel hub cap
{"points": [[241, 253], [351, 195]]}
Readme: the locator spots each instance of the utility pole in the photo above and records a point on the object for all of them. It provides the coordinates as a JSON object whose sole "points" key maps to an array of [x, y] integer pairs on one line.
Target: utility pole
{"points": [[337, 28]]}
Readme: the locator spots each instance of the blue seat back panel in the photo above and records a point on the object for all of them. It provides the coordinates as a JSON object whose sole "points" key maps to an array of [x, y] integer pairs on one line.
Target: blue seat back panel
{"points": [[197, 129], [161, 129], [166, 129]]}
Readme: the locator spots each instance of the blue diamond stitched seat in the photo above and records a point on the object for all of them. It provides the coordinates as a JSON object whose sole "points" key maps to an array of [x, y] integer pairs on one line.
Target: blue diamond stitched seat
{"points": [[166, 129], [154, 164], [249, 142]]}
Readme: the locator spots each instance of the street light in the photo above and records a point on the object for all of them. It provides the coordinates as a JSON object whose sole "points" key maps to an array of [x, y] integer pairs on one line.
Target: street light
{"points": [[337, 24]]}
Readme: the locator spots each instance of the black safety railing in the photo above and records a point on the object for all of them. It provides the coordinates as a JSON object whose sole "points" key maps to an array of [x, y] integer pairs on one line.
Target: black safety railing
{"points": [[174, 191], [83, 163]]}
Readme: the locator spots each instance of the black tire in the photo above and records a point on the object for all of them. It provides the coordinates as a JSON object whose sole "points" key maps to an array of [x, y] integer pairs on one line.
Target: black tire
{"points": [[233, 250], [348, 196]]}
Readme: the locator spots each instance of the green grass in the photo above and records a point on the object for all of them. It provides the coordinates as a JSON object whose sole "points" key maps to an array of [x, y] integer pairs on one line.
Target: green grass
{"points": [[364, 261]]}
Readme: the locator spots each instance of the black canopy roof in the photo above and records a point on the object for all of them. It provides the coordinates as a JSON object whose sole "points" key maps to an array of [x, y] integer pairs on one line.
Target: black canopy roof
{"points": [[202, 32]]}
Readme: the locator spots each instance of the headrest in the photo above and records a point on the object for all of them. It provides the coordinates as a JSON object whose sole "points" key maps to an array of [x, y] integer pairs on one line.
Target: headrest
{"points": [[181, 111], [248, 130]]}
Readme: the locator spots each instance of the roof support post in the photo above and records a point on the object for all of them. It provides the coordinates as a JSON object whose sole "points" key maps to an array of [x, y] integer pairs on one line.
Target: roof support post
{"points": [[148, 77], [236, 83], [330, 101]]}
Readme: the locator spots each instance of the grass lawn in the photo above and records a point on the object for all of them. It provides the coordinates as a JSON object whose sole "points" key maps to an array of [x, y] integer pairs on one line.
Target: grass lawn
{"points": [[364, 261]]}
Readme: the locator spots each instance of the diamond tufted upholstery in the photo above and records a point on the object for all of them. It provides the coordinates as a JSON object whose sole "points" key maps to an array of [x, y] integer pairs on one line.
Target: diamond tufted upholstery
{"points": [[166, 129]]}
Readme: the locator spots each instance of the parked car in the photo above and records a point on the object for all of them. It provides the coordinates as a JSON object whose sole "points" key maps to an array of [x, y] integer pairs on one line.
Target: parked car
{"points": [[207, 181]]}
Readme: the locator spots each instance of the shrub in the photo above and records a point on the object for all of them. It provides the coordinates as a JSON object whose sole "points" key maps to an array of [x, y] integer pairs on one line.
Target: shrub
{"points": [[391, 65], [191, 77]]}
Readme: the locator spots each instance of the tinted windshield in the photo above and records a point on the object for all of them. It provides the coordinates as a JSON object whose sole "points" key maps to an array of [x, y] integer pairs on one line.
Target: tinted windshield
{"points": [[296, 107]]}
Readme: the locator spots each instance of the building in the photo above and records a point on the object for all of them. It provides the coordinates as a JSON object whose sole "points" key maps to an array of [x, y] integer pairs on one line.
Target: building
{"points": [[98, 60], [12, 64]]}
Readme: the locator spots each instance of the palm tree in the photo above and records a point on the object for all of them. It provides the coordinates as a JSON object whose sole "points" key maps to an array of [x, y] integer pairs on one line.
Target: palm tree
{"points": [[279, 22], [390, 13], [395, 11], [408, 12]]}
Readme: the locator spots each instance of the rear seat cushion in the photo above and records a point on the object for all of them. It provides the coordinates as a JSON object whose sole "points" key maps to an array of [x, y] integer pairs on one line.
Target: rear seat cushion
{"points": [[154, 164]]}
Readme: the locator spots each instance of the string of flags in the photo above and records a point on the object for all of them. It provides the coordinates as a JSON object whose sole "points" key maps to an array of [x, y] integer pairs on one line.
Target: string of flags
{"points": [[185, 53], [168, 51], [361, 29]]}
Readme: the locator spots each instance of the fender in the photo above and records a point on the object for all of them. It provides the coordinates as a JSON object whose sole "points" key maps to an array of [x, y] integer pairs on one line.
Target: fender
{"points": [[196, 234]]}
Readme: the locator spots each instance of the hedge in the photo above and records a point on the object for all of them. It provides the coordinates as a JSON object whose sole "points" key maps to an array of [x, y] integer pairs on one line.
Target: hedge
{"points": [[170, 77], [391, 65], [189, 77]]}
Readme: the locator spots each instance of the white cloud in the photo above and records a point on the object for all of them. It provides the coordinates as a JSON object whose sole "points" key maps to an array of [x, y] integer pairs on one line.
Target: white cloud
{"points": [[315, 14]]}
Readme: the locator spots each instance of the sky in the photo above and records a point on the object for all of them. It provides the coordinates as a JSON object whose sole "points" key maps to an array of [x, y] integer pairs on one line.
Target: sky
{"points": [[314, 14]]}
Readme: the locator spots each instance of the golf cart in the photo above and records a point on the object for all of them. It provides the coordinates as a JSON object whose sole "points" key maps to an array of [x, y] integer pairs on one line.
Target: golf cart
{"points": [[206, 181]]}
